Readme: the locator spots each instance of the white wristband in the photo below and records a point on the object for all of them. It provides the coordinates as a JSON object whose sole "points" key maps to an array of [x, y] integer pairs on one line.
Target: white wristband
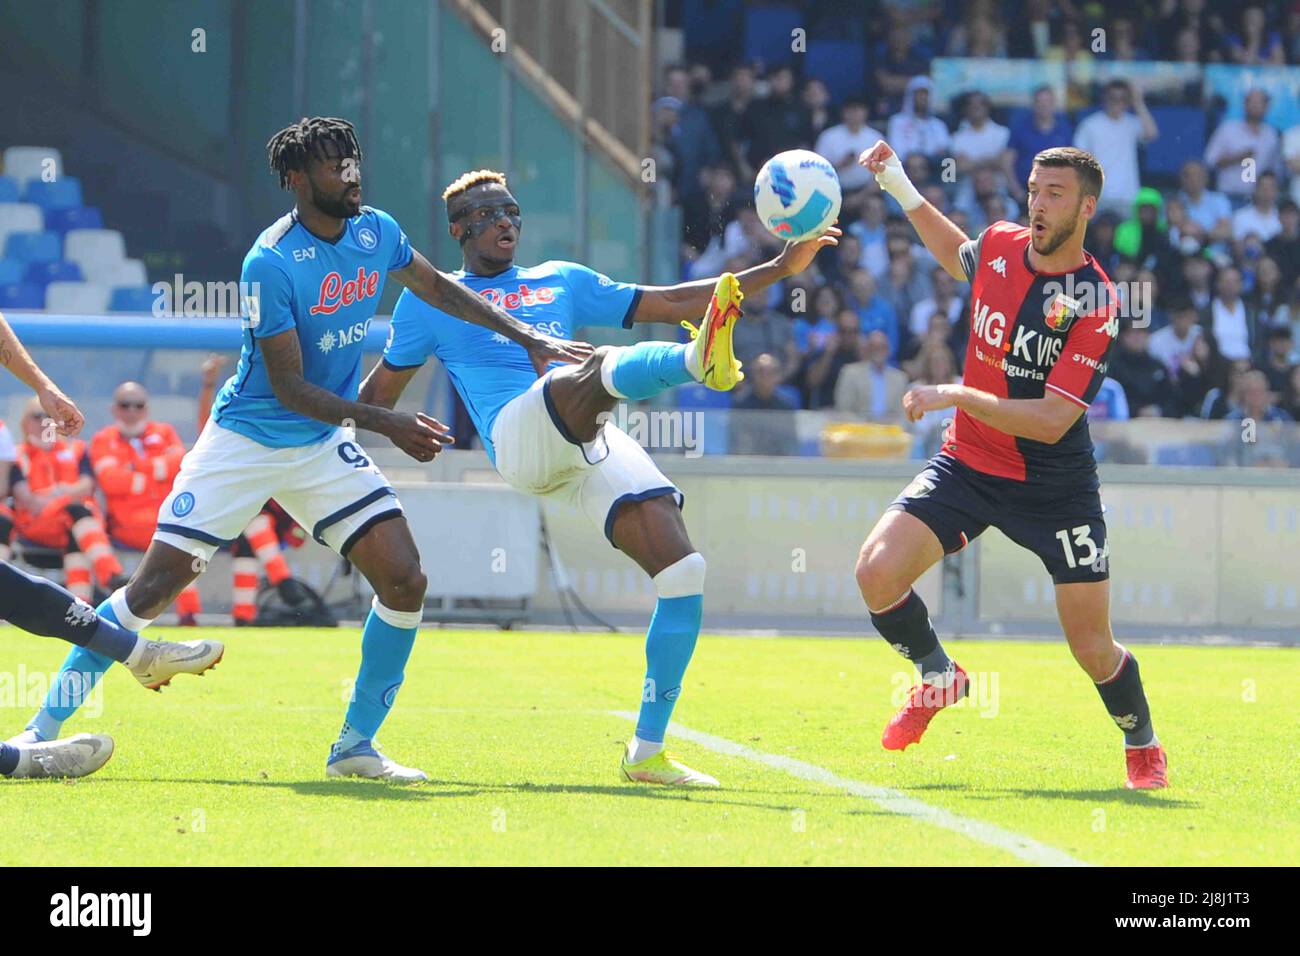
{"points": [[895, 182]]}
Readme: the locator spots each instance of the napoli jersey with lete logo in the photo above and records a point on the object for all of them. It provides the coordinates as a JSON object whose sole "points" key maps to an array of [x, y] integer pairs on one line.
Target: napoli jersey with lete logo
{"points": [[327, 291], [487, 369]]}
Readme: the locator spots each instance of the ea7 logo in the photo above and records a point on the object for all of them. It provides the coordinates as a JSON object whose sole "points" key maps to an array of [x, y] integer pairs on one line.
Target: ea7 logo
{"points": [[302, 255]]}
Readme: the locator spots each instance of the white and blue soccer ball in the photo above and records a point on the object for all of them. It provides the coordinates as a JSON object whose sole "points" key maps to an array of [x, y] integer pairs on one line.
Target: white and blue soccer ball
{"points": [[797, 195]]}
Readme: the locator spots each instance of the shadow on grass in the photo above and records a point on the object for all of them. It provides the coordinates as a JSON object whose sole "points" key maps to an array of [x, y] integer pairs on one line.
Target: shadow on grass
{"points": [[1152, 798], [442, 789]]}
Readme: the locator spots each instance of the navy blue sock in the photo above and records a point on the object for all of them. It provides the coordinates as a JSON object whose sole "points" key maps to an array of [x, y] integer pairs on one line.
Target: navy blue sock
{"points": [[1126, 702], [43, 607], [8, 759], [907, 628]]}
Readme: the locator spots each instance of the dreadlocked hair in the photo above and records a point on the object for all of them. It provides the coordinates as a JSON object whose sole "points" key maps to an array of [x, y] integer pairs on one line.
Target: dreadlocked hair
{"points": [[294, 145], [469, 180]]}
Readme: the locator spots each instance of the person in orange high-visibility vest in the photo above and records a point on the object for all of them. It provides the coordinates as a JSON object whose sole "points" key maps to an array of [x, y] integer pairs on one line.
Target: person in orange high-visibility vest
{"points": [[54, 505], [135, 461]]}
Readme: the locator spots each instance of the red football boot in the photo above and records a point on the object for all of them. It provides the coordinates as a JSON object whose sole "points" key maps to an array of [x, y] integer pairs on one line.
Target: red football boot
{"points": [[1148, 769], [923, 702]]}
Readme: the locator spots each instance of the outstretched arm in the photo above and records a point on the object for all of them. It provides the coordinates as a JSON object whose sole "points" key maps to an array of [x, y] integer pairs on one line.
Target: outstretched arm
{"points": [[58, 406], [688, 300], [939, 233], [445, 293], [414, 434]]}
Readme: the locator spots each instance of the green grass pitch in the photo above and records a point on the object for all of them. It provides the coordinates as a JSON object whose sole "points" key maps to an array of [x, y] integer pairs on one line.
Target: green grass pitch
{"points": [[515, 730]]}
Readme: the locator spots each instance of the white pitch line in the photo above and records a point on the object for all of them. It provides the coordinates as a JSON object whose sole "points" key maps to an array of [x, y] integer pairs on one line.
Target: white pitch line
{"points": [[895, 801]]}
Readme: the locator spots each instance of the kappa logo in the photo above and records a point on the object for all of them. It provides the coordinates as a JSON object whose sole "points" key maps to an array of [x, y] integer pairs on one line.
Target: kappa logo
{"points": [[999, 265]]}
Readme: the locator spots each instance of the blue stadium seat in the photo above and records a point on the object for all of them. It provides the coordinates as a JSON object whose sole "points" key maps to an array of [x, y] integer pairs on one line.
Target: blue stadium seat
{"points": [[17, 295], [708, 25], [1182, 137], [9, 191], [34, 246], [43, 273], [74, 217], [840, 64], [767, 34], [63, 193], [11, 271], [698, 396], [131, 299]]}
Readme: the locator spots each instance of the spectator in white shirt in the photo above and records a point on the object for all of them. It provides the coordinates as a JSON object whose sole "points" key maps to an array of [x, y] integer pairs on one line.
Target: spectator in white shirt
{"points": [[944, 299], [912, 129], [844, 143], [978, 141], [1113, 135], [1237, 140], [1209, 213], [1260, 217], [1172, 344], [1228, 317]]}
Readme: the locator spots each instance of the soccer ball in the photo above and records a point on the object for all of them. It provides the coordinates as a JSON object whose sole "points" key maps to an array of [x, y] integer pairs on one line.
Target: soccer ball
{"points": [[797, 195]]}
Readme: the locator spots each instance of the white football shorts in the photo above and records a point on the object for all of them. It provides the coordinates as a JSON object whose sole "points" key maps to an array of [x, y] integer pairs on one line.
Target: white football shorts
{"points": [[536, 454], [331, 488]]}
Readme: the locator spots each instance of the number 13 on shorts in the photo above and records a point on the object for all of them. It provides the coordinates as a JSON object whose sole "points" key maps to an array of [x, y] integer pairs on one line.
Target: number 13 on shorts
{"points": [[1083, 550]]}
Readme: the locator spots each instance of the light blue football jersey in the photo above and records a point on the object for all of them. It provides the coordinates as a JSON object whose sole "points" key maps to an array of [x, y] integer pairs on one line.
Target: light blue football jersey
{"points": [[487, 369], [328, 291]]}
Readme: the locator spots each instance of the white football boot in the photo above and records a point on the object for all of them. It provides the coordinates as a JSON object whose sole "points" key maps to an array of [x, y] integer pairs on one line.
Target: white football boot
{"points": [[365, 760], [160, 661], [76, 756]]}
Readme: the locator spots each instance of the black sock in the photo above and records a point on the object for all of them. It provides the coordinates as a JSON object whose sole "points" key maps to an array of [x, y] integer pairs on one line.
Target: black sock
{"points": [[42, 607], [908, 630], [8, 759], [1126, 702]]}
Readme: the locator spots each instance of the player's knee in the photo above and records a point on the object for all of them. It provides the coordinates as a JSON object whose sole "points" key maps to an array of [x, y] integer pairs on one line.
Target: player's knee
{"points": [[405, 589], [683, 577], [1098, 656], [877, 579]]}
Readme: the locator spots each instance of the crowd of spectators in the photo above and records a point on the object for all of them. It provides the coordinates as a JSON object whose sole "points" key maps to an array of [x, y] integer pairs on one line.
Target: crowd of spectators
{"points": [[1209, 258]]}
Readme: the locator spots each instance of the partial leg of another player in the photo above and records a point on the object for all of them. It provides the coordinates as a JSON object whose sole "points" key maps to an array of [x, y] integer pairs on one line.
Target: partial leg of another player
{"points": [[1084, 611], [386, 554], [163, 573], [900, 548]]}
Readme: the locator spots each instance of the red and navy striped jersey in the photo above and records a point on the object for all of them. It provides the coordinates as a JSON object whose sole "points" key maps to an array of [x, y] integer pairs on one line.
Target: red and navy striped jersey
{"points": [[1031, 332]]}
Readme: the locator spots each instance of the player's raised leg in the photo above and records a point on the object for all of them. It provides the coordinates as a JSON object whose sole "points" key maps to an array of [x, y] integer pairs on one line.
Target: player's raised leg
{"points": [[163, 573], [900, 548], [386, 554], [1084, 611], [644, 370]]}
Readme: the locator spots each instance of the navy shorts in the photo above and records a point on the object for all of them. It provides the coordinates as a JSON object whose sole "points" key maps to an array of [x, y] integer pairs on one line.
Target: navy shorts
{"points": [[1063, 526]]}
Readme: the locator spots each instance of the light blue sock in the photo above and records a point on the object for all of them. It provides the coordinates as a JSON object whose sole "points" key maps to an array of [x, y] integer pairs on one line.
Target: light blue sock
{"points": [[669, 644], [81, 671], [646, 369], [386, 643]]}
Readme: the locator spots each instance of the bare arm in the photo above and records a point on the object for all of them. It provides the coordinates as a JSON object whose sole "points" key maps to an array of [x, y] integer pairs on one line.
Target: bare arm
{"points": [[448, 295], [57, 405], [1045, 419], [413, 434], [688, 300], [384, 385]]}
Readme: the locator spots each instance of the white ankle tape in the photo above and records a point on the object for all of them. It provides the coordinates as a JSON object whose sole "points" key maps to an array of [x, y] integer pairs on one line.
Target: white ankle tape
{"points": [[607, 372], [397, 618], [132, 622], [683, 578]]}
